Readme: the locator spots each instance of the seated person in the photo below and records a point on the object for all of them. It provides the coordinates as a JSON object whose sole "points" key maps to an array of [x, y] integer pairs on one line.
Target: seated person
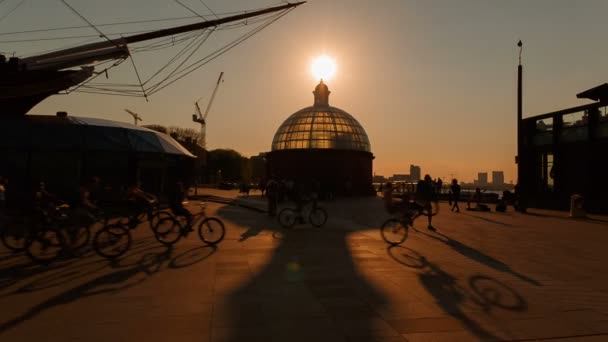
{"points": [[476, 198]]}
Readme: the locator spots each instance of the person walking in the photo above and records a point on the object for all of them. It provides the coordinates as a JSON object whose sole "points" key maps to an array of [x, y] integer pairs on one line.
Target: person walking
{"points": [[455, 195], [425, 195], [272, 194]]}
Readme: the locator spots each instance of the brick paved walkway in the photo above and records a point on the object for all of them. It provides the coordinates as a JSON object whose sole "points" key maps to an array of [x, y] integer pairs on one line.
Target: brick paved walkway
{"points": [[481, 277]]}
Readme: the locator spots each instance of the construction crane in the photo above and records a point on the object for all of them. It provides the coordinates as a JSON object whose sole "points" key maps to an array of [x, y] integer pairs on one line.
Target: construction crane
{"points": [[135, 116], [201, 118]]}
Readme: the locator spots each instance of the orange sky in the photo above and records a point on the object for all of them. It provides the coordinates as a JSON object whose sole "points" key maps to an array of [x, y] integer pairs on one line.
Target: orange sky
{"points": [[432, 82]]}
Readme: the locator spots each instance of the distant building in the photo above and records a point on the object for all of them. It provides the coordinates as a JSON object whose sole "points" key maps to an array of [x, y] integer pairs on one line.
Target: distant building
{"points": [[498, 178], [564, 153], [379, 179], [415, 173], [400, 178], [482, 178]]}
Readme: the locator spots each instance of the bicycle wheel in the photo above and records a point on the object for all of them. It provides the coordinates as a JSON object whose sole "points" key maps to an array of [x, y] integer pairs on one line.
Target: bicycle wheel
{"points": [[211, 230], [157, 216], [393, 232], [45, 245], [112, 241], [15, 238], [167, 231], [317, 217], [287, 217]]}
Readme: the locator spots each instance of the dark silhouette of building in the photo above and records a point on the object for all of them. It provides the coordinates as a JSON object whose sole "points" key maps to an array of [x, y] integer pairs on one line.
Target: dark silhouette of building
{"points": [[324, 144], [63, 151], [482, 178], [415, 173], [498, 178], [564, 153]]}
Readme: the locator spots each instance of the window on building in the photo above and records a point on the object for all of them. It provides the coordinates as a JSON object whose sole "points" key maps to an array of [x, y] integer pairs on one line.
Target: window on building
{"points": [[544, 132], [546, 170], [575, 126]]}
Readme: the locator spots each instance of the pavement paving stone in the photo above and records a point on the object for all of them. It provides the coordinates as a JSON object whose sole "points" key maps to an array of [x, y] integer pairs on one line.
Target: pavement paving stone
{"points": [[481, 277]]}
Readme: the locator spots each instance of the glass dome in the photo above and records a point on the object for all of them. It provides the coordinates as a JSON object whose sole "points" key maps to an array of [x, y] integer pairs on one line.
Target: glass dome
{"points": [[321, 126]]}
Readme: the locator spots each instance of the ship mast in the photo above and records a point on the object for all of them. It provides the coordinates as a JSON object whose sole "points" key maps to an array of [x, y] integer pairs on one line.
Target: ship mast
{"points": [[25, 82]]}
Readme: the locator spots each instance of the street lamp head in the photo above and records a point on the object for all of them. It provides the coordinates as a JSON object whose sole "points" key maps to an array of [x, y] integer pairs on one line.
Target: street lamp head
{"points": [[520, 44]]}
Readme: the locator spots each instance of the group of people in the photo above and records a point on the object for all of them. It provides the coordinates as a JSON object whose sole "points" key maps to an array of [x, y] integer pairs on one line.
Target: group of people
{"points": [[423, 199], [92, 197], [426, 193], [297, 191]]}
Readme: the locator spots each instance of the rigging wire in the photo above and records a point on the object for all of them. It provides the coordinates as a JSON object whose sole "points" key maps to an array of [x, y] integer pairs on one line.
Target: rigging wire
{"points": [[222, 28], [65, 2], [13, 10], [193, 66], [175, 70], [100, 25], [205, 35], [189, 9], [196, 40], [209, 9], [196, 65], [138, 78]]}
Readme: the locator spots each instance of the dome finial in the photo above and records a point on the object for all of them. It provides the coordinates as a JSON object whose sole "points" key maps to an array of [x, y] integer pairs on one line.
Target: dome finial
{"points": [[321, 93]]}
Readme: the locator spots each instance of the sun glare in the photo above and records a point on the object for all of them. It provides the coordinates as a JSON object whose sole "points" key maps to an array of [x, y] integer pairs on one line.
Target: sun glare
{"points": [[323, 67]]}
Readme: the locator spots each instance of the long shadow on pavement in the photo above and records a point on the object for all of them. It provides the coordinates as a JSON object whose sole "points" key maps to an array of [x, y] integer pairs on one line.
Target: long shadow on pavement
{"points": [[126, 275], [307, 290], [483, 292], [478, 256]]}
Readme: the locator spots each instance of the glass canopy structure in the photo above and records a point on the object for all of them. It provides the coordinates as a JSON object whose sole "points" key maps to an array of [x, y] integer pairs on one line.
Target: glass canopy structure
{"points": [[324, 128], [321, 127], [324, 145]]}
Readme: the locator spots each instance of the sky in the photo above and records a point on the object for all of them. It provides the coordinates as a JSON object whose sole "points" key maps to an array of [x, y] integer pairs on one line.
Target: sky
{"points": [[432, 82]]}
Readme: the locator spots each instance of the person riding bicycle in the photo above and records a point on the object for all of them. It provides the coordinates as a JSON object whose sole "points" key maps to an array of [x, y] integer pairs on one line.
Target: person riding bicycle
{"points": [[47, 203], [176, 199], [393, 205], [86, 208], [425, 195], [139, 201]]}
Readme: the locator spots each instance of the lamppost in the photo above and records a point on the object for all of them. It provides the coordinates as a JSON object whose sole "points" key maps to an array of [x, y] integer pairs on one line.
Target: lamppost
{"points": [[521, 186]]}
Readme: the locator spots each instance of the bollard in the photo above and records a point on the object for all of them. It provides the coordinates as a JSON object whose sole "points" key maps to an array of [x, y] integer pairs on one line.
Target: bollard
{"points": [[576, 206]]}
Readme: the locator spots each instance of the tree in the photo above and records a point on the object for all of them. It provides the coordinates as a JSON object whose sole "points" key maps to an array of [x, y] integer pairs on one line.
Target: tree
{"points": [[158, 128], [233, 166]]}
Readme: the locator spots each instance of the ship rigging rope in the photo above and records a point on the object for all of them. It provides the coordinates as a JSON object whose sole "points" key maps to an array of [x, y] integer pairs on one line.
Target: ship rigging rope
{"points": [[65, 2], [11, 11], [196, 65], [178, 72], [223, 27], [190, 9], [209, 9]]}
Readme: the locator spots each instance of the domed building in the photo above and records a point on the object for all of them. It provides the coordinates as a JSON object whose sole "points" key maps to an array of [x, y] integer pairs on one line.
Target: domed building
{"points": [[325, 144]]}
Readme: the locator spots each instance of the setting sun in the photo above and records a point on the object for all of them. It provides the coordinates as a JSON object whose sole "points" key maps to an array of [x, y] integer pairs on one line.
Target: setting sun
{"points": [[323, 67]]}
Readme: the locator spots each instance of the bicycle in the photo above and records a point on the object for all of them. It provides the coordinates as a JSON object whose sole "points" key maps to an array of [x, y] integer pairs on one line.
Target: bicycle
{"points": [[63, 234], [288, 216], [151, 213], [113, 240], [395, 230], [169, 230]]}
